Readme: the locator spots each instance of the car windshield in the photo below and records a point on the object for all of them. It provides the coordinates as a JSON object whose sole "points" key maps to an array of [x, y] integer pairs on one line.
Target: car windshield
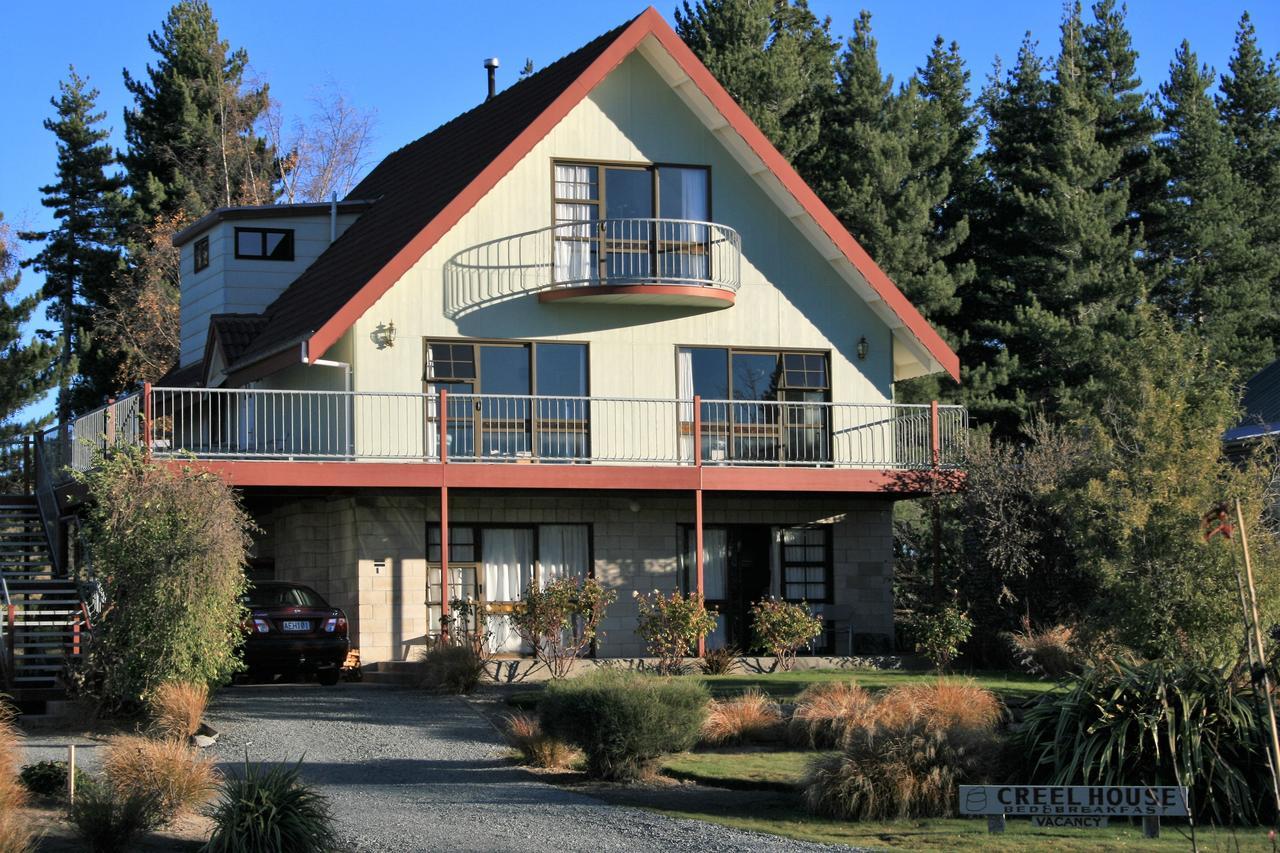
{"points": [[287, 596]]}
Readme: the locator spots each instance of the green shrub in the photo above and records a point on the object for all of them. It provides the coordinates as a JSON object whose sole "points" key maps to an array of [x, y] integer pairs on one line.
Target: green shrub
{"points": [[781, 628], [49, 778], [169, 545], [623, 720], [940, 632], [562, 619], [1155, 723], [671, 626], [270, 811], [108, 821], [450, 669]]}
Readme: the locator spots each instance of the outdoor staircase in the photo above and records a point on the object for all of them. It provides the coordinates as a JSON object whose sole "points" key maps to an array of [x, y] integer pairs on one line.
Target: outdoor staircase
{"points": [[44, 615]]}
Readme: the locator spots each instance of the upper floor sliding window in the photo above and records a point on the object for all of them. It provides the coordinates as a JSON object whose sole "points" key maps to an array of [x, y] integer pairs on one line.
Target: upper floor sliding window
{"points": [[507, 421], [758, 405], [264, 244], [625, 223]]}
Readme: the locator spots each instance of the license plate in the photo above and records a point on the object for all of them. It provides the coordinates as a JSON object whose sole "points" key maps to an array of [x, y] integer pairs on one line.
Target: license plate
{"points": [[297, 626]]}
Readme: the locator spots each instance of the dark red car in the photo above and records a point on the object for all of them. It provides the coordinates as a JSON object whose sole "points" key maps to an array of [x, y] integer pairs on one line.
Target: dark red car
{"points": [[292, 630]]}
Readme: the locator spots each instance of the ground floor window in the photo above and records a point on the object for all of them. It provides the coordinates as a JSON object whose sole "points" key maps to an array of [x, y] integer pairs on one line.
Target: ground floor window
{"points": [[743, 563], [495, 564]]}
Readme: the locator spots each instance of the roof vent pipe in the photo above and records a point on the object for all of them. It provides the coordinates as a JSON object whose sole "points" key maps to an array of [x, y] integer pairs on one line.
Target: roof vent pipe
{"points": [[491, 65], [333, 217]]}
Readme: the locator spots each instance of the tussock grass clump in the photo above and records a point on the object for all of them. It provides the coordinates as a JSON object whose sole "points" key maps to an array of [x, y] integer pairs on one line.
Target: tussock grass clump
{"points": [[450, 669], [944, 705], [906, 752], [270, 810], [537, 749], [825, 712], [624, 720], [1050, 652], [753, 716], [175, 773], [108, 820], [16, 835], [905, 773], [721, 661], [177, 709]]}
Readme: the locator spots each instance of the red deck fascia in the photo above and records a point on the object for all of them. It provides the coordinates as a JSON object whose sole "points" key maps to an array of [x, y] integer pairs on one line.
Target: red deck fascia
{"points": [[465, 475]]}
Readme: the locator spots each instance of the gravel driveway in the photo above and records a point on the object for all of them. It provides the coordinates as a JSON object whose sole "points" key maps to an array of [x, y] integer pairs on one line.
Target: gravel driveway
{"points": [[407, 771]]}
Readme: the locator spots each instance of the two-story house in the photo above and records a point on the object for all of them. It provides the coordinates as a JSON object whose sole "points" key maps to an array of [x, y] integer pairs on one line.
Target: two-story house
{"points": [[595, 326]]}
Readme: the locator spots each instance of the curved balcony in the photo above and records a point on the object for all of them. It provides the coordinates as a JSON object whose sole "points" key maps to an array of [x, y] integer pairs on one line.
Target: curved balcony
{"points": [[676, 262]]}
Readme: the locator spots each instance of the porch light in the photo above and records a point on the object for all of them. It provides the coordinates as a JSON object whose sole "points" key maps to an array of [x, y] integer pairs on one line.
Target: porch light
{"points": [[863, 347], [384, 335]]}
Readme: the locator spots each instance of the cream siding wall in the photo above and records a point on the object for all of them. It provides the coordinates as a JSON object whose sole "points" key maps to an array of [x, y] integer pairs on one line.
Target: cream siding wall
{"points": [[237, 285], [790, 295]]}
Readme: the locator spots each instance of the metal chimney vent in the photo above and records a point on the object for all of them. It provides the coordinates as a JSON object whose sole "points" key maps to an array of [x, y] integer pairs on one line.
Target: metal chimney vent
{"points": [[491, 65]]}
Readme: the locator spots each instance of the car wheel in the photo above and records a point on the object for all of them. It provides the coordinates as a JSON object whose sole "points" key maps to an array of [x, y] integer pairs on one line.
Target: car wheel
{"points": [[328, 677]]}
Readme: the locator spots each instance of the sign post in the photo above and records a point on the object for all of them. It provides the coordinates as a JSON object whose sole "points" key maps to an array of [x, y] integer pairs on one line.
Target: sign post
{"points": [[1083, 806]]}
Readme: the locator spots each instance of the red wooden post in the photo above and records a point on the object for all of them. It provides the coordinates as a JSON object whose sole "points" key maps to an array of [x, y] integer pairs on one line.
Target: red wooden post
{"points": [[697, 510], [935, 439], [444, 511], [146, 419]]}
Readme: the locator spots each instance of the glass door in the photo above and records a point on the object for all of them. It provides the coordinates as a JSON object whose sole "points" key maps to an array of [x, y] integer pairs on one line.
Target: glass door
{"points": [[628, 228]]}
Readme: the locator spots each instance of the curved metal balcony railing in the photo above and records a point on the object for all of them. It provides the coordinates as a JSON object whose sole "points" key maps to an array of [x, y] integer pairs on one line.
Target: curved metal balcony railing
{"points": [[607, 253]]}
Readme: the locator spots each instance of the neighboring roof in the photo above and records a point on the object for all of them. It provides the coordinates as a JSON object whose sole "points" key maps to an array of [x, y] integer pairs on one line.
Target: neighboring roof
{"points": [[191, 376], [263, 211], [1261, 404], [425, 188], [235, 332]]}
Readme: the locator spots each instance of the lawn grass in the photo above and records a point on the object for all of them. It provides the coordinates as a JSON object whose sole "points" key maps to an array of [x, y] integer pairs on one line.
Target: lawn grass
{"points": [[785, 816], [742, 770], [1009, 686]]}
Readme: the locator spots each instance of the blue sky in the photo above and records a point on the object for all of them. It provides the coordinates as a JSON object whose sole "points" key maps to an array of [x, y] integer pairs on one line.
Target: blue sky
{"points": [[419, 63]]}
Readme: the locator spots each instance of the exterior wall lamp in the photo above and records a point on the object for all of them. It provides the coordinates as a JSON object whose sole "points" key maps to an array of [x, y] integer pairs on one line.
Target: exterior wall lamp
{"points": [[384, 335], [863, 348]]}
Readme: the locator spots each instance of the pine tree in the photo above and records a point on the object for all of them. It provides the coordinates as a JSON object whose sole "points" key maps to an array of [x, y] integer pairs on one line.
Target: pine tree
{"points": [[191, 143], [1127, 125], [885, 167], [28, 366], [1215, 282], [1060, 278], [774, 56], [80, 257]]}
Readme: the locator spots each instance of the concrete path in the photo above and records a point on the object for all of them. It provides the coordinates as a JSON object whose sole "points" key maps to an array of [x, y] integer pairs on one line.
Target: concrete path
{"points": [[408, 771]]}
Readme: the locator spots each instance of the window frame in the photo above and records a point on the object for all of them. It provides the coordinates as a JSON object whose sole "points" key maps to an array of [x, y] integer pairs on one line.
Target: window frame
{"points": [[827, 564], [476, 382], [200, 253], [600, 203], [478, 529], [263, 232]]}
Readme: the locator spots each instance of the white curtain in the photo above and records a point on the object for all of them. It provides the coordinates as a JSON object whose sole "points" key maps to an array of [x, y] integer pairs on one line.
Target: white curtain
{"points": [[573, 242], [693, 205], [715, 564], [508, 568], [432, 438], [562, 551], [684, 377]]}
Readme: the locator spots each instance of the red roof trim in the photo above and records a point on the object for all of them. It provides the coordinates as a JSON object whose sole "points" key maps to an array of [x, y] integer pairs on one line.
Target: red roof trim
{"points": [[649, 23]]}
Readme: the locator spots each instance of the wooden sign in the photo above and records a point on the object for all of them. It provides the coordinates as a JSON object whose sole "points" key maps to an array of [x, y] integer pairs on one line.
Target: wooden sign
{"points": [[1074, 800]]}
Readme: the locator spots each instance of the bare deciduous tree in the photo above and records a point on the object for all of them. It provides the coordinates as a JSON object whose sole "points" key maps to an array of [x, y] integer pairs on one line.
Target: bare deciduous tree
{"points": [[324, 154]]}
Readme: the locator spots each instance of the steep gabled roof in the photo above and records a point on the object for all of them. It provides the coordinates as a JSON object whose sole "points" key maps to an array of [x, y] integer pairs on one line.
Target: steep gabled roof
{"points": [[425, 188]]}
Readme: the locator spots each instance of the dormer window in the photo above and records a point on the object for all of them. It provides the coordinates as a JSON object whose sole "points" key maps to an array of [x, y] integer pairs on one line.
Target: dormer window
{"points": [[201, 252], [265, 244]]}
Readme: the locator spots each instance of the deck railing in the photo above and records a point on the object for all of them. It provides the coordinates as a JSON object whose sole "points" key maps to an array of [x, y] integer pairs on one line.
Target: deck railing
{"points": [[336, 426], [595, 252]]}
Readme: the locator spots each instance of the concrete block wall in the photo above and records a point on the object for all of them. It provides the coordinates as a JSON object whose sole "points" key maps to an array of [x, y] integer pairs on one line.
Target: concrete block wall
{"points": [[367, 554]]}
